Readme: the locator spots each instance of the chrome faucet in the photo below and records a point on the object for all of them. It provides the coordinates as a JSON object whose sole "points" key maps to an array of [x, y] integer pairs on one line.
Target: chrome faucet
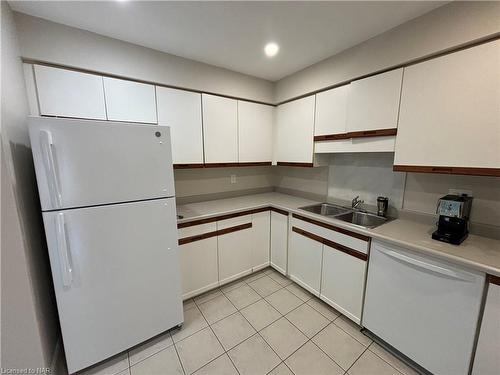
{"points": [[356, 202]]}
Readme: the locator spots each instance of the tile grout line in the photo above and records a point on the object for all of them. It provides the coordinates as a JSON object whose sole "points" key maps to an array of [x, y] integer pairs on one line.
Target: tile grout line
{"points": [[220, 343], [258, 333], [238, 310]]}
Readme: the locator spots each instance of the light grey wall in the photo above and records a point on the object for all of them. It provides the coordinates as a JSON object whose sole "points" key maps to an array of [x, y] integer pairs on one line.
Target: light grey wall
{"points": [[214, 183], [310, 183], [29, 323], [52, 42], [451, 25]]}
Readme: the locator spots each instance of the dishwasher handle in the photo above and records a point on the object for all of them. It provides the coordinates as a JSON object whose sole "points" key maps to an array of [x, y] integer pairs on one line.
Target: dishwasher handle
{"points": [[463, 276]]}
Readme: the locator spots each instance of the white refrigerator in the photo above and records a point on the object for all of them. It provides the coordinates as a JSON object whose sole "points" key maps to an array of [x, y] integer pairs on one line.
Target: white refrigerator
{"points": [[107, 196]]}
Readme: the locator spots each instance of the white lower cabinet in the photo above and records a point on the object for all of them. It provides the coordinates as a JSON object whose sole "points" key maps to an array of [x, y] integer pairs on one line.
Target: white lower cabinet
{"points": [[261, 237], [304, 261], [487, 359], [342, 282], [199, 267], [235, 248], [279, 241]]}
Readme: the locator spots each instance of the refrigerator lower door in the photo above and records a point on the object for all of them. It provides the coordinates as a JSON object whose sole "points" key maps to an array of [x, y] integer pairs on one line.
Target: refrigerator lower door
{"points": [[426, 308], [81, 163], [116, 276]]}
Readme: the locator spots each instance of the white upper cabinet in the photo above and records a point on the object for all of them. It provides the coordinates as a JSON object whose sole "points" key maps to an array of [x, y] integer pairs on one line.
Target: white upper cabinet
{"points": [[450, 110], [181, 111], [331, 111], [220, 129], [67, 93], [295, 129], [374, 102], [255, 132], [130, 101]]}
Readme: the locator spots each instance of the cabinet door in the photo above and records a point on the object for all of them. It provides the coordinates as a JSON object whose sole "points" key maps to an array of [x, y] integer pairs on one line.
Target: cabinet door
{"points": [[450, 112], [235, 248], [199, 265], [279, 241], [220, 129], [261, 227], [487, 360], [255, 132], [181, 111], [304, 261], [373, 102], [130, 101], [331, 111], [342, 282], [295, 129], [68, 93]]}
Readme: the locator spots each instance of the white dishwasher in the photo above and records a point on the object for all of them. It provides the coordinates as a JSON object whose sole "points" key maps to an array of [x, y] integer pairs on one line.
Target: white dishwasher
{"points": [[427, 309]]}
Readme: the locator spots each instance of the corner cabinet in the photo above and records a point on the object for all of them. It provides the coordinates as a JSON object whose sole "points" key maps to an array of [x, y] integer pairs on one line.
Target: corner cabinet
{"points": [[279, 240], [450, 114], [181, 111], [294, 132], [220, 129]]}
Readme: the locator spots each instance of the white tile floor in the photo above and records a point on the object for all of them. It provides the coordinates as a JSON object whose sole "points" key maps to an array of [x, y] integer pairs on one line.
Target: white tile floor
{"points": [[263, 324]]}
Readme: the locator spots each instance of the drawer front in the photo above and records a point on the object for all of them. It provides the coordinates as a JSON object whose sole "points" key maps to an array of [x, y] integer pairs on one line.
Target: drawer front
{"points": [[196, 230], [343, 239], [235, 221]]}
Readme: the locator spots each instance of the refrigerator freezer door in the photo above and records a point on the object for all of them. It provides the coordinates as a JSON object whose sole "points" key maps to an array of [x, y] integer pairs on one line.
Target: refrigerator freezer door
{"points": [[116, 276], [83, 163]]}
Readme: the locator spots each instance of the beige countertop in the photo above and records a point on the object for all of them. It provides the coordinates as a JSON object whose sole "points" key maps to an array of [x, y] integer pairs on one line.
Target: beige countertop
{"points": [[479, 253]]}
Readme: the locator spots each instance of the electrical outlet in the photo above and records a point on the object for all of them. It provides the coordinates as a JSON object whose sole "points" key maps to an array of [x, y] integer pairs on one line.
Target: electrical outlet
{"points": [[460, 192], [233, 178]]}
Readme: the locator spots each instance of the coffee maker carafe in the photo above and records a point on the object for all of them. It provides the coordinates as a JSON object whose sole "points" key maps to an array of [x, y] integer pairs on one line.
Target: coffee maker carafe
{"points": [[453, 223]]}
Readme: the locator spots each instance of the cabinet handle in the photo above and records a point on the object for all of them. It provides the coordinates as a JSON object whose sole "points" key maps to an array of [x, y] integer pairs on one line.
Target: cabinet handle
{"points": [[428, 266], [63, 250], [47, 146]]}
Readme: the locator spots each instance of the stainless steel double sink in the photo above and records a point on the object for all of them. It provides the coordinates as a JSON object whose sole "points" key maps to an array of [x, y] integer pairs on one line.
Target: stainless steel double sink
{"points": [[356, 217]]}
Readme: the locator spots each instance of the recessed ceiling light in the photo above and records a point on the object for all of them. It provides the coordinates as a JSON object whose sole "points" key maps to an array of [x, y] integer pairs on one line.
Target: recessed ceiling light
{"points": [[271, 49]]}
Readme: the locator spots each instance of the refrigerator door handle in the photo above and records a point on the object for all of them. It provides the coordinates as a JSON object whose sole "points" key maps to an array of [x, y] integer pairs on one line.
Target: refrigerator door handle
{"points": [[63, 250], [462, 276], [47, 146]]}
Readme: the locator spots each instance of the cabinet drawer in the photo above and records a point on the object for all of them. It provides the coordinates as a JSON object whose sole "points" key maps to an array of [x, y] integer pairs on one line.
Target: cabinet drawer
{"points": [[196, 230], [228, 223], [355, 243]]}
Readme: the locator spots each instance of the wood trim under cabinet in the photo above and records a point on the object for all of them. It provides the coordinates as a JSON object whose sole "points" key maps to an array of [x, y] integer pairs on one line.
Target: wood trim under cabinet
{"points": [[222, 217], [199, 237], [234, 229], [494, 279], [332, 227], [294, 164], [357, 134], [333, 245], [189, 166], [472, 171], [283, 212]]}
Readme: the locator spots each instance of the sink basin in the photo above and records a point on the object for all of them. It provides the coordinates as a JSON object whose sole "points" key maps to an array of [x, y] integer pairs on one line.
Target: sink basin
{"points": [[362, 219], [326, 209]]}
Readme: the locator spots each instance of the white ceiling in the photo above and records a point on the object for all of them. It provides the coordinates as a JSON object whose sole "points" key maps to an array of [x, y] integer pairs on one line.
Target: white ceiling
{"points": [[233, 34]]}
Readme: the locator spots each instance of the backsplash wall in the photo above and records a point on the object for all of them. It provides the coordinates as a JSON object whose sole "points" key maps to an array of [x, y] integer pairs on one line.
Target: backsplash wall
{"points": [[193, 185]]}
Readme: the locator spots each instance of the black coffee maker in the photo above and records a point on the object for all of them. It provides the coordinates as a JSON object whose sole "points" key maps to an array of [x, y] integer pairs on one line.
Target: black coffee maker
{"points": [[453, 224]]}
